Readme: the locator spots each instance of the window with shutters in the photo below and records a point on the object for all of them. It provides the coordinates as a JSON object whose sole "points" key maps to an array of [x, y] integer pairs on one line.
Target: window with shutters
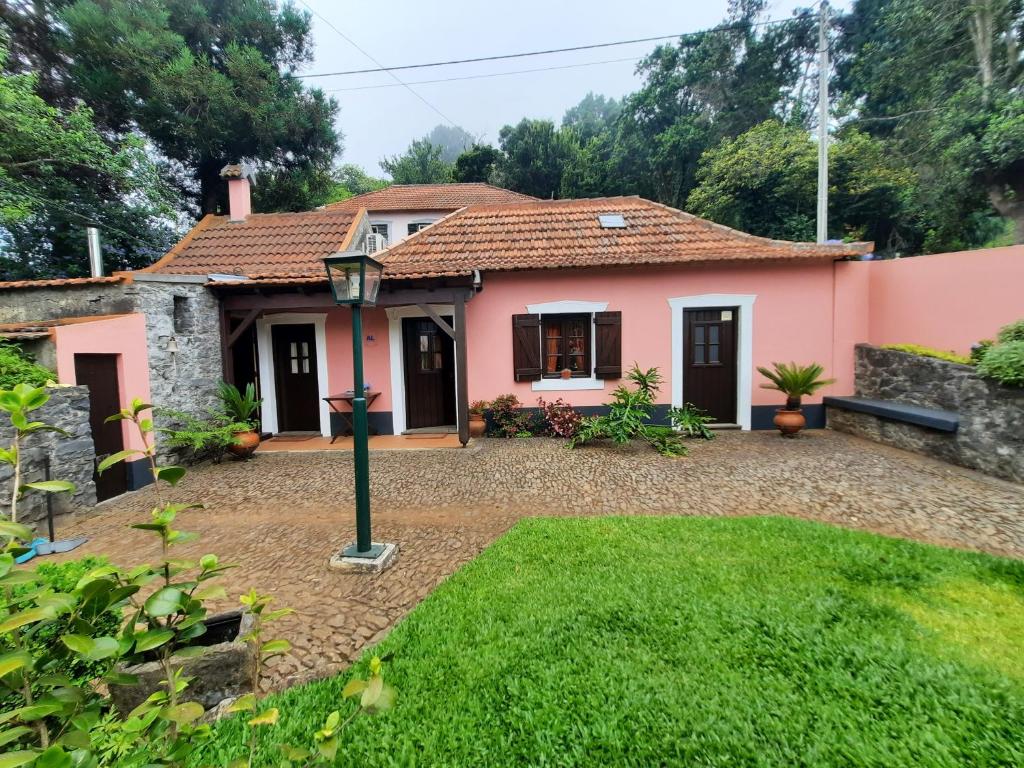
{"points": [[566, 344]]}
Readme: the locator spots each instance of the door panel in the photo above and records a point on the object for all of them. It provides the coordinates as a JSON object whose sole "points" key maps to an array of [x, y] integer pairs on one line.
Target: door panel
{"points": [[99, 373], [709, 361], [295, 375], [429, 373]]}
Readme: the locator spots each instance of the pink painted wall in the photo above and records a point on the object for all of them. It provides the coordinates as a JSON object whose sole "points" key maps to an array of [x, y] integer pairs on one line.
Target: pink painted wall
{"points": [[121, 335], [376, 361], [793, 319], [945, 300]]}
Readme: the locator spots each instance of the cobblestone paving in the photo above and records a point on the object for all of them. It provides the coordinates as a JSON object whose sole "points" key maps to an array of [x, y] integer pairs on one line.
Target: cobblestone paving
{"points": [[281, 516]]}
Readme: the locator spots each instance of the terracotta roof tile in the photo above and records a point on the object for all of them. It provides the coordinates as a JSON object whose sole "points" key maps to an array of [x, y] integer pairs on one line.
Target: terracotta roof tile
{"points": [[64, 281], [265, 245], [429, 197], [551, 234]]}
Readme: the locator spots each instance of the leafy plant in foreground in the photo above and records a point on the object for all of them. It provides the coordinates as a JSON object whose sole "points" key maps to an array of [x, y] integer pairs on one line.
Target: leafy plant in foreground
{"points": [[239, 407], [691, 421], [629, 415]]}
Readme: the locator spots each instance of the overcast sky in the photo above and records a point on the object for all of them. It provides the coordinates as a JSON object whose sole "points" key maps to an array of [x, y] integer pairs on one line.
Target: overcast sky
{"points": [[378, 122]]}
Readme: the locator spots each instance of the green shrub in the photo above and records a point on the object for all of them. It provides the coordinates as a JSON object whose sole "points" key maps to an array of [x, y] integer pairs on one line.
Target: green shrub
{"points": [[978, 350], [938, 354], [691, 421], [18, 367], [1011, 332], [506, 419], [204, 438], [1004, 363]]}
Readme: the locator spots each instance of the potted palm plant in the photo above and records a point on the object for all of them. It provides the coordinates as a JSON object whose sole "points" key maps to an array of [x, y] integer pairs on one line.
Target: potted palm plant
{"points": [[794, 381], [241, 408]]}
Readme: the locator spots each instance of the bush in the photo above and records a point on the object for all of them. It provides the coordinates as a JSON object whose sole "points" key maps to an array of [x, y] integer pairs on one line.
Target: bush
{"points": [[18, 367], [691, 421], [205, 438], [506, 419], [938, 354], [560, 418], [1011, 332], [978, 350], [1004, 363]]}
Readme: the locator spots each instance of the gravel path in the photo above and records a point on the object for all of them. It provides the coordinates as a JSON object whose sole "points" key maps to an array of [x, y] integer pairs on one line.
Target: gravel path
{"points": [[281, 516]]}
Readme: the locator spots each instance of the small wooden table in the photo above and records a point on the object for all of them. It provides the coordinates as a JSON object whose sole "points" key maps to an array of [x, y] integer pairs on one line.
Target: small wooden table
{"points": [[334, 401]]}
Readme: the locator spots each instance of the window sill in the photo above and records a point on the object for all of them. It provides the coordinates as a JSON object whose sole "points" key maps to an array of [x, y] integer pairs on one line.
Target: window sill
{"points": [[567, 385]]}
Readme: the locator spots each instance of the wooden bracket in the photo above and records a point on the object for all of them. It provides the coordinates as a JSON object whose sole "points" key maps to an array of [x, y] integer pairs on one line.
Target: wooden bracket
{"points": [[429, 312]]}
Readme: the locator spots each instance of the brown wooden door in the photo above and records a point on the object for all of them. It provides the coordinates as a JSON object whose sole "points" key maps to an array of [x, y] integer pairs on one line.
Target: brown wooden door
{"points": [[709, 362], [99, 373], [295, 375], [429, 373]]}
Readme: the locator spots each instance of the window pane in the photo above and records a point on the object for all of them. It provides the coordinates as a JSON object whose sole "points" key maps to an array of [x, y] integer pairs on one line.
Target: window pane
{"points": [[698, 353], [713, 354], [294, 349], [713, 334], [438, 365], [553, 364], [295, 365], [305, 365], [698, 334], [424, 342]]}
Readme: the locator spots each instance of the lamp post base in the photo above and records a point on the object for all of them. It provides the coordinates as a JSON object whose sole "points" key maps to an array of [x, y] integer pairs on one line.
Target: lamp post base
{"points": [[378, 558]]}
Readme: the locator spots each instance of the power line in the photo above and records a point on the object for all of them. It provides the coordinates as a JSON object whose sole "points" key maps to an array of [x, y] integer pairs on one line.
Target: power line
{"points": [[480, 77], [682, 36], [397, 79]]}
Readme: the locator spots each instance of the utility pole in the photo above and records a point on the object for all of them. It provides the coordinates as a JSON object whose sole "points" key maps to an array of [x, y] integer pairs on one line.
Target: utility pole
{"points": [[823, 123]]}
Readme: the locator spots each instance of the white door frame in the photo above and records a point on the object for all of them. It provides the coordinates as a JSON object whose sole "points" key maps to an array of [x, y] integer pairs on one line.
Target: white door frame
{"points": [[397, 356], [265, 348], [744, 346]]}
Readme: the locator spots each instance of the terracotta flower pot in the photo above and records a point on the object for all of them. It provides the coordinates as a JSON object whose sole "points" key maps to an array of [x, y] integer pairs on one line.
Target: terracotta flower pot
{"points": [[477, 425], [789, 422], [246, 446]]}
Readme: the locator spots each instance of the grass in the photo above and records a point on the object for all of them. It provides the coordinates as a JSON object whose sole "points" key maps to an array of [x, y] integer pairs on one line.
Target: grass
{"points": [[697, 642]]}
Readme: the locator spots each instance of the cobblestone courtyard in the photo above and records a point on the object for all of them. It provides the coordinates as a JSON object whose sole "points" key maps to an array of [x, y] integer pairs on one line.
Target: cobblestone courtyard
{"points": [[281, 516]]}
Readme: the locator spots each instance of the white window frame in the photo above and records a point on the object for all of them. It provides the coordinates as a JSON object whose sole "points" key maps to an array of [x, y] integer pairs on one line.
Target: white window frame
{"points": [[268, 381], [419, 224], [744, 346], [396, 351], [569, 307], [386, 232]]}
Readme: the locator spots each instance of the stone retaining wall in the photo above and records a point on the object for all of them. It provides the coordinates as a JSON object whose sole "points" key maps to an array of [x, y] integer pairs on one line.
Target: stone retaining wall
{"points": [[990, 437], [71, 457]]}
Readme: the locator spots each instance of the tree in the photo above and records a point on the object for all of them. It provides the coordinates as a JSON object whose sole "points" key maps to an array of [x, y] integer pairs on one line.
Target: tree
{"points": [[351, 180], [765, 182], [208, 83], [58, 175], [940, 81], [594, 115], [534, 158], [477, 163], [421, 163], [452, 139]]}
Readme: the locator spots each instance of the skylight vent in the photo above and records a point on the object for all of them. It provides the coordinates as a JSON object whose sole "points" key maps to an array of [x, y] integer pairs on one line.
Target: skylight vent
{"points": [[612, 221]]}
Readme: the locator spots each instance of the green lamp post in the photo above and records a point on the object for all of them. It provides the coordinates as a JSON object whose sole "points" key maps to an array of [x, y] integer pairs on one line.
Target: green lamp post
{"points": [[355, 279]]}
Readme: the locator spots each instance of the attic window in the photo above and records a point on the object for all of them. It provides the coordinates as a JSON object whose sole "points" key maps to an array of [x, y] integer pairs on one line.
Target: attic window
{"points": [[612, 221]]}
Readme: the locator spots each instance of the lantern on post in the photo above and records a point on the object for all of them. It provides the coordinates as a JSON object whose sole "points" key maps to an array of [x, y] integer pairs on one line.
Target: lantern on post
{"points": [[355, 280]]}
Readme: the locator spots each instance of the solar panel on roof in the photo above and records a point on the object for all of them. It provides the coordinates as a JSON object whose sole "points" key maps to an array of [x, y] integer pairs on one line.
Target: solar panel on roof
{"points": [[612, 220]]}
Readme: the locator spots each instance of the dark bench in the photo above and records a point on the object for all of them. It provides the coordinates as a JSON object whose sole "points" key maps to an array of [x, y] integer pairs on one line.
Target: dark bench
{"points": [[933, 418]]}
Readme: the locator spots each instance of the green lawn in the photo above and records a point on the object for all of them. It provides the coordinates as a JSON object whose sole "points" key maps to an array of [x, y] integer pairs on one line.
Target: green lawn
{"points": [[691, 641]]}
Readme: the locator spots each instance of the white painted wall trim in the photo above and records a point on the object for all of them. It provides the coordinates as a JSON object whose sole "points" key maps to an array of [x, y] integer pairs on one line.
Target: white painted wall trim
{"points": [[265, 347], [744, 346], [570, 307], [395, 352]]}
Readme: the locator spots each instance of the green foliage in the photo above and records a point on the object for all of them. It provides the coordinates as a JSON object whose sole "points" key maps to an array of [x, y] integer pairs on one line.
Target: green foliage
{"points": [[351, 180], [421, 163], [478, 163], [758, 638], [794, 381], [205, 437], [534, 156], [237, 406], [17, 366], [506, 419], [258, 606], [978, 350], [559, 419], [452, 139], [1012, 332], [691, 421], [917, 349], [629, 415], [1004, 363]]}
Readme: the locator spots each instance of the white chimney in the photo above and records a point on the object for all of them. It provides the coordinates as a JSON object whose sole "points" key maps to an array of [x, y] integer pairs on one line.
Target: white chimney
{"points": [[92, 236], [239, 198]]}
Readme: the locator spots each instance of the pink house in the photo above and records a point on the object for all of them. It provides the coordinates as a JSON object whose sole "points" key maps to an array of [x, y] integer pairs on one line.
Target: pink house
{"points": [[538, 298]]}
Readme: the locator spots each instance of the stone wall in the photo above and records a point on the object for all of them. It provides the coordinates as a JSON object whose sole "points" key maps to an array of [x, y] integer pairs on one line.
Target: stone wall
{"points": [[71, 457], [990, 437]]}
